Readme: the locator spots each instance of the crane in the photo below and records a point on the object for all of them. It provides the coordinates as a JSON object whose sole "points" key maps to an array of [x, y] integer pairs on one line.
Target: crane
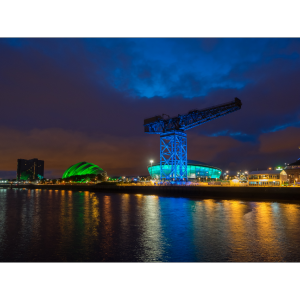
{"points": [[173, 141]]}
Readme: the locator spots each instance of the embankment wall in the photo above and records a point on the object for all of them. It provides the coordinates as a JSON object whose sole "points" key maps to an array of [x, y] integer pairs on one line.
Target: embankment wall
{"points": [[251, 193]]}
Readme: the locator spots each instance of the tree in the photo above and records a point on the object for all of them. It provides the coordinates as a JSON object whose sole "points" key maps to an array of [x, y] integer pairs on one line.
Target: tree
{"points": [[102, 176]]}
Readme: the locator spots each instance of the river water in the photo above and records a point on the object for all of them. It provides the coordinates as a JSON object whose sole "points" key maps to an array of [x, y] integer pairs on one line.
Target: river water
{"points": [[68, 226]]}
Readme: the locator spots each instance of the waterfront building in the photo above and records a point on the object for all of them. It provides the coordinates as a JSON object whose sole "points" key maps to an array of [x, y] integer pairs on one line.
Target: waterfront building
{"points": [[196, 170], [115, 178], [267, 178], [84, 171], [30, 169], [293, 172], [144, 177]]}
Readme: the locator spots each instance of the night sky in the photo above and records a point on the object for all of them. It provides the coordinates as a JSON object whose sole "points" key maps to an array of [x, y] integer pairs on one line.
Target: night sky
{"points": [[71, 100]]}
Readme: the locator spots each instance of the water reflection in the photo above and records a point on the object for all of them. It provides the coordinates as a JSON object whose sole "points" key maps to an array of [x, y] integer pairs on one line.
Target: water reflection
{"points": [[238, 224], [3, 195], [268, 245], [152, 231], [41, 225]]}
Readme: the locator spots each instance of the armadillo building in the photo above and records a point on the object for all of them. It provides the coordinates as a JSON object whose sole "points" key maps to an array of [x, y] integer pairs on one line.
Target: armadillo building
{"points": [[83, 170], [195, 170]]}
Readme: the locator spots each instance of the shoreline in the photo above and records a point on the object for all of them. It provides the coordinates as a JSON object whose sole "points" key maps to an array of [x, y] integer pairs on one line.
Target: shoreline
{"points": [[238, 193]]}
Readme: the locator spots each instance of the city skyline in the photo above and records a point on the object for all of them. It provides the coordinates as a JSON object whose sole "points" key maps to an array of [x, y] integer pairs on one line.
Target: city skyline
{"points": [[73, 100]]}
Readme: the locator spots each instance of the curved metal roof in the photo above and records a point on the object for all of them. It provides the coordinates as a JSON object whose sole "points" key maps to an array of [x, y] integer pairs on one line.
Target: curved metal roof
{"points": [[194, 162], [82, 168]]}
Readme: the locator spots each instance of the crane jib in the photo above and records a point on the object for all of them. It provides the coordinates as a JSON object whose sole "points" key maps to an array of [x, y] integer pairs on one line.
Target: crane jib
{"points": [[158, 125]]}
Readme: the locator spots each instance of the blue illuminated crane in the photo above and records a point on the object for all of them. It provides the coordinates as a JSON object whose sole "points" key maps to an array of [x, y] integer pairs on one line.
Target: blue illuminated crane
{"points": [[173, 142]]}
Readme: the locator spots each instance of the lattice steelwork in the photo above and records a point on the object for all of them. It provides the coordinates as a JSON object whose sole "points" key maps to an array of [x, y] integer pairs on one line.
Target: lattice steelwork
{"points": [[173, 139], [173, 156]]}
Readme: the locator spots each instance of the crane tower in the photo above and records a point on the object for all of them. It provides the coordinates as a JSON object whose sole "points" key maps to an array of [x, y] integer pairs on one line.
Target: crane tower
{"points": [[173, 142]]}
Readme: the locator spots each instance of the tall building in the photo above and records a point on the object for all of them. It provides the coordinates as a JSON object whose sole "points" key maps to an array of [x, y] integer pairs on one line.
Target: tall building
{"points": [[30, 169]]}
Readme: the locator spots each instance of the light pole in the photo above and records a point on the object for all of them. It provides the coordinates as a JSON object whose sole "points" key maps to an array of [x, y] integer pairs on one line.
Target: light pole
{"points": [[151, 162], [226, 174]]}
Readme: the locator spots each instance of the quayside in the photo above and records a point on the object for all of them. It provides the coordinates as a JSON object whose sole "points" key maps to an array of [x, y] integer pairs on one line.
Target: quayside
{"points": [[278, 193]]}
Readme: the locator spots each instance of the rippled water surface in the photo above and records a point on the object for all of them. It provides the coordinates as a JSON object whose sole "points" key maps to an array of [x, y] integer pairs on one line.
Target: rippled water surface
{"points": [[41, 225]]}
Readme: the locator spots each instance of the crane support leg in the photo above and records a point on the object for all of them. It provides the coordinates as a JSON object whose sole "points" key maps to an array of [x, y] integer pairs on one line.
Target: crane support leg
{"points": [[173, 156]]}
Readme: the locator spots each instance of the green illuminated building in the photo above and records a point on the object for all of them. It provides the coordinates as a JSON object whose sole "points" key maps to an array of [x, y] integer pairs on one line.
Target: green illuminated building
{"points": [[195, 170], [83, 171]]}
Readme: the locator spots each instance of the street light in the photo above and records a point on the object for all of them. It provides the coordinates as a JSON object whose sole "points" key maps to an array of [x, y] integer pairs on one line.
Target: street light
{"points": [[151, 162], [225, 174]]}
